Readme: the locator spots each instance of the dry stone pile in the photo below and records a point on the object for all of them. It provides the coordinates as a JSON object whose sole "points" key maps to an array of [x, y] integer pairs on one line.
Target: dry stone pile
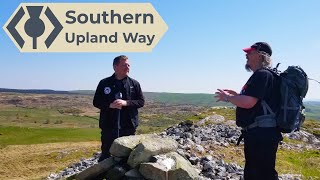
{"points": [[142, 157], [180, 152]]}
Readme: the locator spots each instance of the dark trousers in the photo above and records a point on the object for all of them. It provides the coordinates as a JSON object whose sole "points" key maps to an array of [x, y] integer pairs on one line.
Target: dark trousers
{"points": [[260, 150], [107, 138]]}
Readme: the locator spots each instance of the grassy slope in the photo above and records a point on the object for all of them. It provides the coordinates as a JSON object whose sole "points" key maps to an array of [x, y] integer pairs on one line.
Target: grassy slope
{"points": [[37, 161], [313, 110], [312, 107], [305, 162], [11, 135], [34, 126], [34, 117], [180, 98]]}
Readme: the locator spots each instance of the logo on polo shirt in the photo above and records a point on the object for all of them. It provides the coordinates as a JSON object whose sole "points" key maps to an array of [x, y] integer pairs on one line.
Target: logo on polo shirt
{"points": [[107, 90]]}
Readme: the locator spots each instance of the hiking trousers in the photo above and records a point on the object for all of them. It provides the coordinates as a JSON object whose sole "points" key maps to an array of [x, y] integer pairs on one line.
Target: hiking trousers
{"points": [[260, 148], [107, 138]]}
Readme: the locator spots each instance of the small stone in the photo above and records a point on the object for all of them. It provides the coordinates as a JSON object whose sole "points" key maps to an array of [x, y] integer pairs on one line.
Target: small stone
{"points": [[209, 166], [199, 149], [194, 160]]}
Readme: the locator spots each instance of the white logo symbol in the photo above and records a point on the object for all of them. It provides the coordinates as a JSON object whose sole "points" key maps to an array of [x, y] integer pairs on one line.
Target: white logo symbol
{"points": [[107, 90]]}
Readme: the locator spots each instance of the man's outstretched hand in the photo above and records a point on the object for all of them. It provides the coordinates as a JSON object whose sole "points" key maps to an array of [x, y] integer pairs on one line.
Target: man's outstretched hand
{"points": [[224, 94]]}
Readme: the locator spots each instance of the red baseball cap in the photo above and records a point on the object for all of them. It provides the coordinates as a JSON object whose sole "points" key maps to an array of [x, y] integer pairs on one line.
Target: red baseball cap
{"points": [[261, 47]]}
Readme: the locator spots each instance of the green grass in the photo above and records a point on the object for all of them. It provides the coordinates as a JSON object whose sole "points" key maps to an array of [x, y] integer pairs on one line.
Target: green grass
{"points": [[155, 123], [312, 126], [182, 98], [36, 117], [305, 163], [27, 135], [312, 110], [228, 114]]}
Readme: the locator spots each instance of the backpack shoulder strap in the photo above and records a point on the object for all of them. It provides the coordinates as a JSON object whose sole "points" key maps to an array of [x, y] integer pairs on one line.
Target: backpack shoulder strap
{"points": [[266, 108]]}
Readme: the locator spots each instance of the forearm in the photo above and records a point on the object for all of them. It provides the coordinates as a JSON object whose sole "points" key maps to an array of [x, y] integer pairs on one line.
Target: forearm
{"points": [[135, 103], [138, 100], [102, 105], [243, 101]]}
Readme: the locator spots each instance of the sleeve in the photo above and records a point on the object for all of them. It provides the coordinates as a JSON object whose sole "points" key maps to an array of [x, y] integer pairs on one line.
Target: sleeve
{"points": [[100, 101], [138, 100], [259, 84]]}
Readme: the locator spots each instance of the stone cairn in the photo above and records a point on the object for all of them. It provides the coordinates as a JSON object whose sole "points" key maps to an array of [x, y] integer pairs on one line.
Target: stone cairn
{"points": [[180, 152]]}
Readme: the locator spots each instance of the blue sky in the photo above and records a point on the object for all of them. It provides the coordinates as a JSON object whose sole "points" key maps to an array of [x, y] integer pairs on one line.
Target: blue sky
{"points": [[200, 52]]}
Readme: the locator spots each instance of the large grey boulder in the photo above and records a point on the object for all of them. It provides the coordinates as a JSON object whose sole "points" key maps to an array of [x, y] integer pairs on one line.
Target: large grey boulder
{"points": [[158, 168], [116, 173], [96, 170], [150, 147], [183, 169], [154, 171], [134, 174], [122, 147], [170, 166]]}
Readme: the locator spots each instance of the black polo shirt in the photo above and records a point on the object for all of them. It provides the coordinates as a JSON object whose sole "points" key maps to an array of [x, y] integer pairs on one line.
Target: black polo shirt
{"points": [[264, 86]]}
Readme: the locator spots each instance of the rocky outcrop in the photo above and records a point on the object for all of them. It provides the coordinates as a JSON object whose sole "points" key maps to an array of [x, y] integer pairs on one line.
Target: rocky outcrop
{"points": [[304, 136], [183, 151]]}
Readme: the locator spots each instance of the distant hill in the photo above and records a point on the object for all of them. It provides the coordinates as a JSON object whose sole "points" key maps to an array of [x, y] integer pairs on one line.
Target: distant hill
{"points": [[84, 92], [312, 107], [173, 98], [34, 91], [182, 98], [169, 98]]}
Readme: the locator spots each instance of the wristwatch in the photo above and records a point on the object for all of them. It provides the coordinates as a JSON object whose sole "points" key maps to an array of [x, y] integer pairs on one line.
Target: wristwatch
{"points": [[226, 99]]}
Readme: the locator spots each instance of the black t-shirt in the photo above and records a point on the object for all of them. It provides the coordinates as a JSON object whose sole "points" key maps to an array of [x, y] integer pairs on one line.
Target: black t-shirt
{"points": [[264, 86]]}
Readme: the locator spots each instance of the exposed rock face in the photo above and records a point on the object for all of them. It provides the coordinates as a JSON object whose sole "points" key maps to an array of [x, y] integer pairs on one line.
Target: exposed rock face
{"points": [[305, 137]]}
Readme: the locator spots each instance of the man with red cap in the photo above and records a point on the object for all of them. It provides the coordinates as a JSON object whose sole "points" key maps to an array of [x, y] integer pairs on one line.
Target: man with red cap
{"points": [[261, 136]]}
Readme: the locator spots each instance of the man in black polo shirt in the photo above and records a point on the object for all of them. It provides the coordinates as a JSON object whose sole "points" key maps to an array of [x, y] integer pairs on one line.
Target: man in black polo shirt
{"points": [[118, 97], [260, 141]]}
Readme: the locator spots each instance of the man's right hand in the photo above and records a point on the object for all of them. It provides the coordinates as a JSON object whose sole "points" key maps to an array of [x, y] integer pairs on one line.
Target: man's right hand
{"points": [[115, 106]]}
